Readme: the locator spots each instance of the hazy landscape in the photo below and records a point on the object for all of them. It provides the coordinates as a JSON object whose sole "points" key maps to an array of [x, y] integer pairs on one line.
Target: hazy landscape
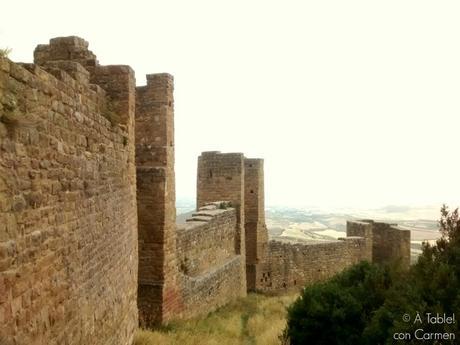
{"points": [[317, 224]]}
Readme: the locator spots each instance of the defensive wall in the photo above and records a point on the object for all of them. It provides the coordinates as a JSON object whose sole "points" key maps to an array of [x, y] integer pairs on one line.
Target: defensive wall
{"points": [[89, 245], [386, 242], [67, 199], [275, 266], [210, 266]]}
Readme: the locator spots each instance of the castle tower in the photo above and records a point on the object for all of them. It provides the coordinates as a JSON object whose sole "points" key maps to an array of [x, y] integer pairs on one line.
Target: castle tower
{"points": [[159, 292], [221, 178], [362, 229], [256, 233], [384, 242]]}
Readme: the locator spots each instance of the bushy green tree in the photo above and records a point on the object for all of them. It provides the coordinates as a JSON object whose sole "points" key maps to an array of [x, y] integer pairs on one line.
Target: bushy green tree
{"points": [[337, 311]]}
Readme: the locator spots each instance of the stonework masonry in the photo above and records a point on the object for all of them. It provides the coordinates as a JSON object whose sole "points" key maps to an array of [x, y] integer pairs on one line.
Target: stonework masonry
{"points": [[89, 245], [295, 265], [159, 297], [220, 176], [256, 233], [67, 200], [389, 243], [210, 267], [273, 266]]}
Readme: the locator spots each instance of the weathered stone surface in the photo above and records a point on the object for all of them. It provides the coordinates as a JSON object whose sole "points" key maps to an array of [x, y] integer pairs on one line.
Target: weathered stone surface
{"points": [[295, 265], [389, 242], [68, 258], [210, 268], [256, 232], [221, 177], [275, 266], [160, 297], [87, 210], [208, 244]]}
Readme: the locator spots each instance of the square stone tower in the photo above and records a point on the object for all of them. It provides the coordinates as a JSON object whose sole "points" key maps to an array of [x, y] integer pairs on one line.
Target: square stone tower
{"points": [[221, 178], [159, 295], [232, 177], [256, 232]]}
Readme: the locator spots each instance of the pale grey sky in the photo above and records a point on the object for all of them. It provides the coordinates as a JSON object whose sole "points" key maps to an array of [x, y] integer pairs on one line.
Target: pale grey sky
{"points": [[351, 103]]}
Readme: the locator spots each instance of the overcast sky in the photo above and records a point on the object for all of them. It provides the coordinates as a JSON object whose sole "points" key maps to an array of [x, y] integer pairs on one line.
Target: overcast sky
{"points": [[350, 103]]}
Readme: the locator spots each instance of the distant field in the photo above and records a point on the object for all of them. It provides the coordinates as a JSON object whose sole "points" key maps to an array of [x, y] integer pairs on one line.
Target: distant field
{"points": [[308, 225], [256, 320]]}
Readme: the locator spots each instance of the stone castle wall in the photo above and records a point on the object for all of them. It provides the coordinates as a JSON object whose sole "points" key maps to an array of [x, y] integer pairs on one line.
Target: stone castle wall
{"points": [[67, 200], [89, 246], [206, 240], [296, 265], [390, 243], [274, 266], [365, 230], [210, 268]]}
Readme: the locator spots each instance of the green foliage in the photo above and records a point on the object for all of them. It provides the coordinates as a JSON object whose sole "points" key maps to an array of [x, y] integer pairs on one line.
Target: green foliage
{"points": [[337, 311], [5, 52], [224, 205], [366, 304], [10, 112], [110, 114]]}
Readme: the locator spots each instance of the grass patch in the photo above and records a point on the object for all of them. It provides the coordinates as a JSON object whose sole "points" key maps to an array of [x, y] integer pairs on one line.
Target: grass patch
{"points": [[110, 114], [254, 320], [5, 52]]}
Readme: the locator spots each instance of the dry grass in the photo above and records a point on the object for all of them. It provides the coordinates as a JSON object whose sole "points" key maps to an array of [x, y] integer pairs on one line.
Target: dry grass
{"points": [[257, 319], [4, 52]]}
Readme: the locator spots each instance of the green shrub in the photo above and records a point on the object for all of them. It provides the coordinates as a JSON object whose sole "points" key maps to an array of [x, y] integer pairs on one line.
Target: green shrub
{"points": [[337, 311], [5, 52]]}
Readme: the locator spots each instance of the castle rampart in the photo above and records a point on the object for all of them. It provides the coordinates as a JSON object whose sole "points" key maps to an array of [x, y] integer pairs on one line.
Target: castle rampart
{"points": [[67, 201], [210, 267], [89, 245], [389, 242], [365, 230], [297, 265], [275, 266], [197, 250]]}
